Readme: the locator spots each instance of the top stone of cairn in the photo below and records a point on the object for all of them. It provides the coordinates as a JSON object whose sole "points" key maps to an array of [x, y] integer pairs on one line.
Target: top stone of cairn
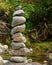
{"points": [[18, 8], [18, 11]]}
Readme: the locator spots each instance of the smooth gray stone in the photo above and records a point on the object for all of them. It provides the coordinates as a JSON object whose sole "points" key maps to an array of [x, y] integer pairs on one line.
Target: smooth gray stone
{"points": [[1, 61], [16, 29], [18, 59], [19, 39], [18, 12], [17, 20], [21, 51], [17, 45]]}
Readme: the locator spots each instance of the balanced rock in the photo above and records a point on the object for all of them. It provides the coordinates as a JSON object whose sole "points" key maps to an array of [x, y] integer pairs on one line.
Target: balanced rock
{"points": [[17, 20], [17, 45], [20, 52], [16, 29], [18, 13], [19, 39], [18, 59], [18, 8], [17, 35], [1, 61]]}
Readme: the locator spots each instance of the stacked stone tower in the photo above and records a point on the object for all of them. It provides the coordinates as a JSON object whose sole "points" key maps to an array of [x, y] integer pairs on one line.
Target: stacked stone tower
{"points": [[19, 50]]}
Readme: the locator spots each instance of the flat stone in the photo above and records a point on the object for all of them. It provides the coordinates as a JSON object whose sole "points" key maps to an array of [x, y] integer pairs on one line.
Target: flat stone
{"points": [[20, 52], [18, 12], [19, 39], [16, 29], [17, 45], [17, 20], [18, 59]]}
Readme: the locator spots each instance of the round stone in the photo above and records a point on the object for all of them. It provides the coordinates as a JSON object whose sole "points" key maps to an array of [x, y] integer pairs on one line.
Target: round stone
{"points": [[18, 12], [17, 45], [17, 20], [17, 29], [1, 61], [18, 59]]}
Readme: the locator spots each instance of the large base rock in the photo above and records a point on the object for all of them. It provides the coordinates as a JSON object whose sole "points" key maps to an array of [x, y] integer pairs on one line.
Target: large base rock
{"points": [[17, 45], [18, 59]]}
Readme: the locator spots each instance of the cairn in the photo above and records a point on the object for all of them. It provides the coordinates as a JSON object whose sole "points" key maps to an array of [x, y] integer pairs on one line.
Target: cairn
{"points": [[19, 50]]}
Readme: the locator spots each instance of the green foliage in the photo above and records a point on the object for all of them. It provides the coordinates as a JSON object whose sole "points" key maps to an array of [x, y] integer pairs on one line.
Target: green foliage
{"points": [[42, 13]]}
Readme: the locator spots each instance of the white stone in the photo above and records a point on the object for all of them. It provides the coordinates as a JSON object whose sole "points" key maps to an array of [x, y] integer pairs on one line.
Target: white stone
{"points": [[17, 45], [16, 29], [5, 47], [1, 61], [17, 20], [18, 59], [18, 12]]}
